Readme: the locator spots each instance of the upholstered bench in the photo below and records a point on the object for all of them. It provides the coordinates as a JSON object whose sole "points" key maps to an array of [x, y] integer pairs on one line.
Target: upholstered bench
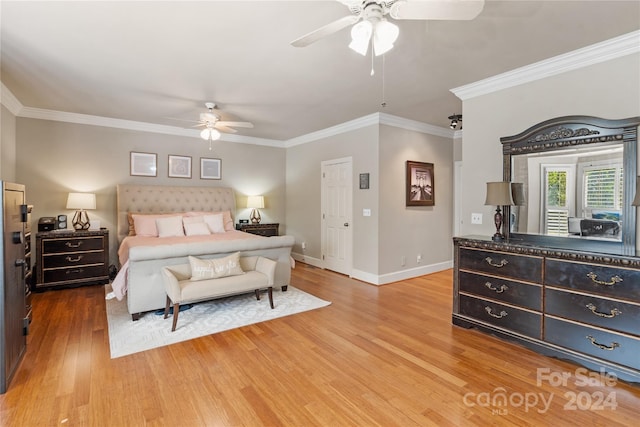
{"points": [[202, 280]]}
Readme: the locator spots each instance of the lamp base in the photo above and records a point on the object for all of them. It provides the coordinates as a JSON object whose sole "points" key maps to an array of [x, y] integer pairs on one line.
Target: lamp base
{"points": [[81, 221], [255, 216], [497, 220]]}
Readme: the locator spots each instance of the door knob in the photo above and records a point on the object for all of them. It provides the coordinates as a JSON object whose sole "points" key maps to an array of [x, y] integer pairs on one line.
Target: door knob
{"points": [[346, 224]]}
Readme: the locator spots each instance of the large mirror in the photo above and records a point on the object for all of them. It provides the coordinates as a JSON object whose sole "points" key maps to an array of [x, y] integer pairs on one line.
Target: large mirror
{"points": [[576, 180]]}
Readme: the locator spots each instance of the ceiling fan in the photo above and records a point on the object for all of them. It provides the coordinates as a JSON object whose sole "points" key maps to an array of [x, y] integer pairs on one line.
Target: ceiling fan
{"points": [[368, 18], [213, 126]]}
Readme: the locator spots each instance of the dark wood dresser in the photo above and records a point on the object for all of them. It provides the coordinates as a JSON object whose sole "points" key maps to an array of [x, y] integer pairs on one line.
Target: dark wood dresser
{"points": [[574, 305], [267, 230], [71, 258]]}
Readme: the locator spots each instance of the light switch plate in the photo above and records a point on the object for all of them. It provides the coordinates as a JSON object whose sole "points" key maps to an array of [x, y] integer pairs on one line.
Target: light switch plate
{"points": [[366, 212]]}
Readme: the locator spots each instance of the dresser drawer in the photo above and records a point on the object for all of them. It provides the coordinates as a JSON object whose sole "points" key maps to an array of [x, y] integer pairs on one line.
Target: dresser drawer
{"points": [[508, 317], [84, 273], [611, 281], [72, 244], [502, 264], [522, 294], [607, 313], [73, 259], [606, 345]]}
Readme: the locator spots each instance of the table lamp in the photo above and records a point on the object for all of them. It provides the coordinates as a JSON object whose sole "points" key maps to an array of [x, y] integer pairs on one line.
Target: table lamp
{"points": [[81, 202], [498, 194], [255, 202]]}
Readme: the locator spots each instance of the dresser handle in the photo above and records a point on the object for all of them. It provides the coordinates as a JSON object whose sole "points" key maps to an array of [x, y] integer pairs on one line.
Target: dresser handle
{"points": [[594, 278], [502, 263], [77, 270], [71, 245], [497, 316], [69, 259], [602, 346], [499, 290], [615, 312]]}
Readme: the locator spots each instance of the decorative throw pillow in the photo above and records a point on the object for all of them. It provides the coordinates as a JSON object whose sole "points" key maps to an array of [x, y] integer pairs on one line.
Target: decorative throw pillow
{"points": [[215, 223], [203, 269], [170, 226], [192, 219], [226, 218], [145, 224], [196, 229]]}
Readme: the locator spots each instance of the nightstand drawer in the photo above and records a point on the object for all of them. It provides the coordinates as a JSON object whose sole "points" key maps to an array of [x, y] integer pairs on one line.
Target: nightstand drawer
{"points": [[502, 264], [522, 294], [615, 282], [84, 273], [617, 348], [508, 317], [73, 259], [607, 313], [73, 244]]}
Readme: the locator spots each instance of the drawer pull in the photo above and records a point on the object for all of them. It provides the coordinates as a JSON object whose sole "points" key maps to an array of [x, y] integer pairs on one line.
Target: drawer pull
{"points": [[74, 271], [500, 265], [615, 312], [499, 290], [69, 259], [497, 316], [594, 278], [603, 346], [72, 245]]}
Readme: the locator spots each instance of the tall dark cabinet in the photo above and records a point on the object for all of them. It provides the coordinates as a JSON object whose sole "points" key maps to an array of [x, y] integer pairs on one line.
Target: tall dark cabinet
{"points": [[13, 298]]}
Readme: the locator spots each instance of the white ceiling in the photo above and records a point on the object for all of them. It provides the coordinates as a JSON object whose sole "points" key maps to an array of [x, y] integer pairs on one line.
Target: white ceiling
{"points": [[151, 61]]}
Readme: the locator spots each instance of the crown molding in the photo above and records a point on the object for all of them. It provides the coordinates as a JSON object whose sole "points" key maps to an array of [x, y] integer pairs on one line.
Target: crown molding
{"points": [[369, 120], [607, 50], [86, 119], [9, 100]]}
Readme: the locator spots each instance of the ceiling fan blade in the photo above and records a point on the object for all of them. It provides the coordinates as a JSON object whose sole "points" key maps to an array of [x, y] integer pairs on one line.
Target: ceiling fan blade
{"points": [[444, 10], [328, 29], [235, 124], [225, 129], [183, 120]]}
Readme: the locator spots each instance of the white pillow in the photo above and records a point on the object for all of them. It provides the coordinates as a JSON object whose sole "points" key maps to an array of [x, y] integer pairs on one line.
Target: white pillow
{"points": [[215, 223], [170, 226], [202, 269], [191, 219], [196, 229]]}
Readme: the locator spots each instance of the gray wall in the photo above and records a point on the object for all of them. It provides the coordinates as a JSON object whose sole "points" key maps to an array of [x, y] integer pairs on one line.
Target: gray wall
{"points": [[7, 145], [609, 90], [55, 158]]}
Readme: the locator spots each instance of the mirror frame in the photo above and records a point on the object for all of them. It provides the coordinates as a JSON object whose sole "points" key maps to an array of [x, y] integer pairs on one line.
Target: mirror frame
{"points": [[568, 132]]}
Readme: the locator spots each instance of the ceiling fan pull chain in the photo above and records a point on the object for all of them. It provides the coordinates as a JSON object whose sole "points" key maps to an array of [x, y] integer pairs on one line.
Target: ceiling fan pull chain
{"points": [[372, 55], [384, 102]]}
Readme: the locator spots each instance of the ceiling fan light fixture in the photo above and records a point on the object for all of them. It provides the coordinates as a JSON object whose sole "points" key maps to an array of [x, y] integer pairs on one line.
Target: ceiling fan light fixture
{"points": [[210, 134], [360, 36], [384, 37]]}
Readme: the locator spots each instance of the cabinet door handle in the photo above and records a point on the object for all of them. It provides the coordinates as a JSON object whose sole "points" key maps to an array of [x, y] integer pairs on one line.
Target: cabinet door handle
{"points": [[594, 278], [71, 245], [603, 346], [500, 265], [500, 315], [615, 312], [499, 290], [78, 258]]}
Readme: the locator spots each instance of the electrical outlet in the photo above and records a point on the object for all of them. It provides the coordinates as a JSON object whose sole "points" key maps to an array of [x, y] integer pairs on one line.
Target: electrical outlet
{"points": [[304, 245], [419, 258], [476, 218], [403, 261]]}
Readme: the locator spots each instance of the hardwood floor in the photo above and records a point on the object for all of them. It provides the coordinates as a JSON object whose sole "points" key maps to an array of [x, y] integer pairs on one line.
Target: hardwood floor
{"points": [[377, 356]]}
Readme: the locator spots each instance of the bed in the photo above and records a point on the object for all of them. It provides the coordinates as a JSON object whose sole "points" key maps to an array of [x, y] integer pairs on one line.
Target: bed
{"points": [[142, 257]]}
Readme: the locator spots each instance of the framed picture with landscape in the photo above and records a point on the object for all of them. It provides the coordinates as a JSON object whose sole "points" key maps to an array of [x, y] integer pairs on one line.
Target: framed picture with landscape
{"points": [[420, 184]]}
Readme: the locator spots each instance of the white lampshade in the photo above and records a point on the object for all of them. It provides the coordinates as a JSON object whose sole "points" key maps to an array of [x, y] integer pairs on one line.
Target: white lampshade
{"points": [[81, 201], [255, 202], [210, 134], [385, 35], [360, 36]]}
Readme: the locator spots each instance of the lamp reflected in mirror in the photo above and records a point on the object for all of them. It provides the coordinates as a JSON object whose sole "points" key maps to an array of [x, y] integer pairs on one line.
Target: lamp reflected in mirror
{"points": [[636, 200]]}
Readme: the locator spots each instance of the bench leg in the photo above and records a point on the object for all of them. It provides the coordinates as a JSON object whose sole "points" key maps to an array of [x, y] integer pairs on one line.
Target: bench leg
{"points": [[166, 307], [176, 310], [257, 291], [270, 291]]}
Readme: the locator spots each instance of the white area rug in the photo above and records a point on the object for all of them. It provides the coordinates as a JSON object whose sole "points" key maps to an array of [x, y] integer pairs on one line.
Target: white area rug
{"points": [[205, 318]]}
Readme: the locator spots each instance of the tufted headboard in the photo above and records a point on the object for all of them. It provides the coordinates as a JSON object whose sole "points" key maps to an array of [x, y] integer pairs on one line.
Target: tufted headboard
{"points": [[167, 199]]}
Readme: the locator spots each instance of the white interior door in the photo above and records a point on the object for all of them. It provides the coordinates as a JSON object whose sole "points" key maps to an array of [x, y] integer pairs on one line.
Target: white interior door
{"points": [[336, 196]]}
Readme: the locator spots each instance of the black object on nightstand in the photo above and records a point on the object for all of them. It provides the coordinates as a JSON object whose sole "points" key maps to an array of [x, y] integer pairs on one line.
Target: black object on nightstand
{"points": [[71, 258], [267, 230]]}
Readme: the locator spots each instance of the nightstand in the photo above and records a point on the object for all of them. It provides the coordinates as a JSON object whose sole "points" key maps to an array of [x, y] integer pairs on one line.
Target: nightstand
{"points": [[71, 258], [267, 230]]}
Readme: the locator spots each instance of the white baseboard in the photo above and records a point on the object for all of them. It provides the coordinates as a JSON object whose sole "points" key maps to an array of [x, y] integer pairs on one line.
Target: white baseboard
{"points": [[375, 279]]}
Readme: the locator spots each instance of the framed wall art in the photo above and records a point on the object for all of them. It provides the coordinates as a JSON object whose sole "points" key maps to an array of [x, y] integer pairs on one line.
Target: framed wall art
{"points": [[179, 166], [143, 164], [420, 184], [364, 181], [210, 168]]}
